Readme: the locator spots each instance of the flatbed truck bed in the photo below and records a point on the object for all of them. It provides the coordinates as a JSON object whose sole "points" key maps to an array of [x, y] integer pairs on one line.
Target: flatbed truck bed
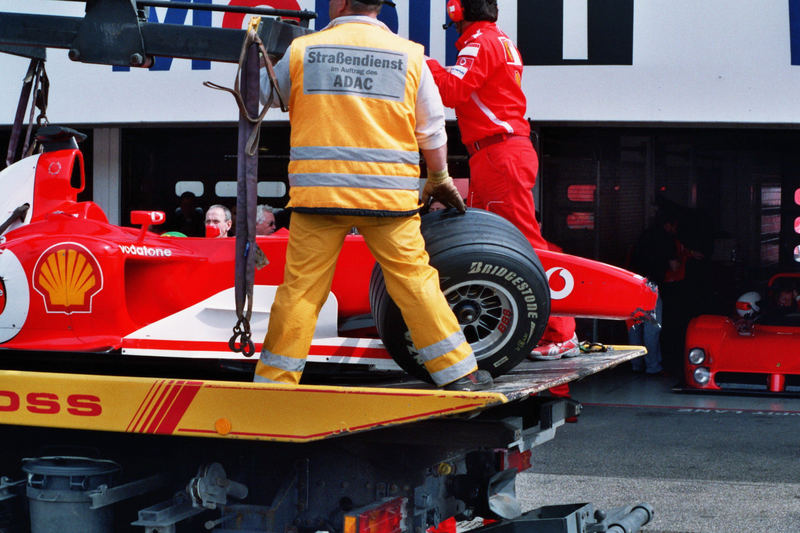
{"points": [[227, 409], [397, 455]]}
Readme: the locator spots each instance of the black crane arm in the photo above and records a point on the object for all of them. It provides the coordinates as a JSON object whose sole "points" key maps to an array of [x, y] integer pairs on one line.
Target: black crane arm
{"points": [[116, 32]]}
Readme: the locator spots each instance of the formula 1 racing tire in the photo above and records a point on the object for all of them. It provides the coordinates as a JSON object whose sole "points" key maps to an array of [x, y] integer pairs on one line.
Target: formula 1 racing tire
{"points": [[492, 280]]}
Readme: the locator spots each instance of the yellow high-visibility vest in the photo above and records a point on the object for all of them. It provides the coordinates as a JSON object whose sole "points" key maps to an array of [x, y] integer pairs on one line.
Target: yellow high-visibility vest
{"points": [[352, 112]]}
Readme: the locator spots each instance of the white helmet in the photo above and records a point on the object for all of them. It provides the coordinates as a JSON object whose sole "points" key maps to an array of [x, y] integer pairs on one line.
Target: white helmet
{"points": [[748, 304]]}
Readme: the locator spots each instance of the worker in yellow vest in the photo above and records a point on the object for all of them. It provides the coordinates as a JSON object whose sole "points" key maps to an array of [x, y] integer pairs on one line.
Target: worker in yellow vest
{"points": [[362, 104]]}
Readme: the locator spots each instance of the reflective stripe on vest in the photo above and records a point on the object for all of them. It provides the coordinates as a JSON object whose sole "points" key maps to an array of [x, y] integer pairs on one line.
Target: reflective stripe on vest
{"points": [[357, 181], [347, 153]]}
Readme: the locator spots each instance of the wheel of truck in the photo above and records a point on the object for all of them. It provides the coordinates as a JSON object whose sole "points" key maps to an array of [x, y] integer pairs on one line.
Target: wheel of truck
{"points": [[492, 280]]}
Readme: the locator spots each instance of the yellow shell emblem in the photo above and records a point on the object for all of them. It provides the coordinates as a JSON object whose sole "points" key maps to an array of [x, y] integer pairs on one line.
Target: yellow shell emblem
{"points": [[67, 276]]}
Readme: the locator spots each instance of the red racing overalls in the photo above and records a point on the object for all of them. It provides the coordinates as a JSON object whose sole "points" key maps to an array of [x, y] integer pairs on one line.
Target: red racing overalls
{"points": [[485, 89]]}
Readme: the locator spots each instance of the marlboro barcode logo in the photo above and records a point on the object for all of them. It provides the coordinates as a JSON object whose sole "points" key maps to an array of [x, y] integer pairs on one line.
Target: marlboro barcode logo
{"points": [[576, 32]]}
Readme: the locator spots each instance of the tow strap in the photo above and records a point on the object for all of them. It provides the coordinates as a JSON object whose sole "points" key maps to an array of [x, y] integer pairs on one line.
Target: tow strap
{"points": [[18, 214], [592, 347], [246, 92], [248, 112], [35, 82]]}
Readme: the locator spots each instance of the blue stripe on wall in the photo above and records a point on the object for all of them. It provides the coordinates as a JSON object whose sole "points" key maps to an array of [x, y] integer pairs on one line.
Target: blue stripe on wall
{"points": [[794, 30], [322, 20], [420, 26], [452, 52]]}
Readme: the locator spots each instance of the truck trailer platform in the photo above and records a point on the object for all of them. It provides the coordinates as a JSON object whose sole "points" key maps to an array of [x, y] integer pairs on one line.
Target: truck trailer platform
{"points": [[104, 453]]}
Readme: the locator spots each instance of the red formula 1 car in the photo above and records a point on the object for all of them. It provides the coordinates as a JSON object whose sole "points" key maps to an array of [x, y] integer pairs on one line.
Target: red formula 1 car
{"points": [[73, 282], [755, 351]]}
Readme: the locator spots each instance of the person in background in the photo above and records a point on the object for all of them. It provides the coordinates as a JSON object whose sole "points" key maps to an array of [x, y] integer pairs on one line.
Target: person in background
{"points": [[355, 163], [484, 88], [265, 220], [655, 256], [783, 300], [787, 300], [218, 221], [188, 217]]}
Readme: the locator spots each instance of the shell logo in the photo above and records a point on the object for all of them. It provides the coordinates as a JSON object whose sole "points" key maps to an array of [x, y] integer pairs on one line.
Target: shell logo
{"points": [[67, 276]]}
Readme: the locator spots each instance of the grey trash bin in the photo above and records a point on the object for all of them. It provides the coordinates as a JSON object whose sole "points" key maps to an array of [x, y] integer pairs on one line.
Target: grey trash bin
{"points": [[58, 494]]}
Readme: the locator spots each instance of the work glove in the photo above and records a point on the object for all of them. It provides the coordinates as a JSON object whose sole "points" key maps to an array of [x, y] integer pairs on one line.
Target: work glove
{"points": [[440, 187]]}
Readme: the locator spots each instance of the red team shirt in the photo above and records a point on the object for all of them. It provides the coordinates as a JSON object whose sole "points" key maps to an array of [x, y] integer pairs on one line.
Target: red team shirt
{"points": [[484, 87]]}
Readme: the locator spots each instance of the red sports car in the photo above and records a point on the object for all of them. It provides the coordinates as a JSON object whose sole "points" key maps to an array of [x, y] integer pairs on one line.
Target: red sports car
{"points": [[73, 282], [757, 351]]}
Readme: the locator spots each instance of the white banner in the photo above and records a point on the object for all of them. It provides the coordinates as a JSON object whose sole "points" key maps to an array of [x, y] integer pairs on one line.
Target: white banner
{"points": [[715, 61]]}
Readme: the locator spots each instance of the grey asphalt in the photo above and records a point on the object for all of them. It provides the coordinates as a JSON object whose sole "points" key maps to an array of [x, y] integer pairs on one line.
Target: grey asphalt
{"points": [[705, 463]]}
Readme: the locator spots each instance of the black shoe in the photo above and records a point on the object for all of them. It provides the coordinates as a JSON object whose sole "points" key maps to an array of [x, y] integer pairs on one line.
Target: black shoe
{"points": [[478, 380]]}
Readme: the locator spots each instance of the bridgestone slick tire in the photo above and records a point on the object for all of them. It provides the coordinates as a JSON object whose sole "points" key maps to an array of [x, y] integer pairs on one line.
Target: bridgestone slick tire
{"points": [[493, 281]]}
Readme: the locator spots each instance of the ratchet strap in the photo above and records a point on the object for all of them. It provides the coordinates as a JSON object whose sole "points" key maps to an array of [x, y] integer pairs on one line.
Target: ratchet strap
{"points": [[18, 214], [592, 347], [252, 114], [35, 82], [246, 194]]}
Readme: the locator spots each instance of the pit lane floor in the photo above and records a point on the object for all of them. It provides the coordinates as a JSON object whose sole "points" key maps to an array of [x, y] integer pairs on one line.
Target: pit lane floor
{"points": [[707, 464]]}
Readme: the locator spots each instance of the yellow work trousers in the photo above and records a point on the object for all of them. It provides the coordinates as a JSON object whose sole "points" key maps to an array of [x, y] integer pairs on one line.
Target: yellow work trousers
{"points": [[396, 243]]}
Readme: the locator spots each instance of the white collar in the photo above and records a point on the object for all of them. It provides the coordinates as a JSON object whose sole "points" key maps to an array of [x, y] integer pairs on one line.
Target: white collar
{"points": [[357, 18]]}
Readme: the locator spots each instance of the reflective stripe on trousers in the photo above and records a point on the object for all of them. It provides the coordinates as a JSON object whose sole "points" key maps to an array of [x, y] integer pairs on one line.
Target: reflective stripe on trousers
{"points": [[396, 242]]}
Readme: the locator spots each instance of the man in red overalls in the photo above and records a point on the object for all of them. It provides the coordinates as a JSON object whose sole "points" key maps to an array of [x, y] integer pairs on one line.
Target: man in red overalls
{"points": [[485, 89]]}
